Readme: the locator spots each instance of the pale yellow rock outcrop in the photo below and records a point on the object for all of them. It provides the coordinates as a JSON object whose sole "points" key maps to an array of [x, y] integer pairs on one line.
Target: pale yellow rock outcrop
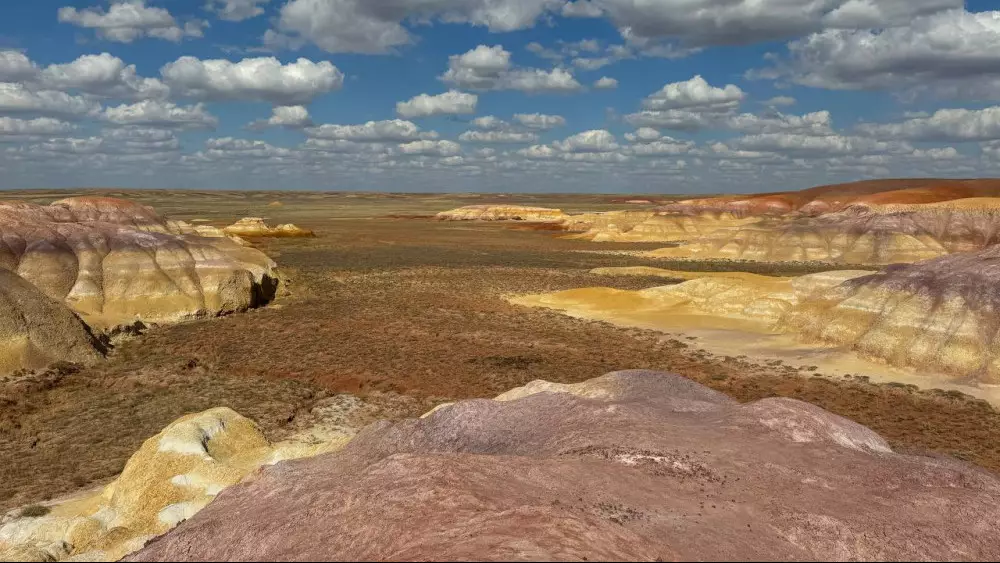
{"points": [[632, 226], [256, 227], [769, 243], [169, 479], [503, 213], [724, 300]]}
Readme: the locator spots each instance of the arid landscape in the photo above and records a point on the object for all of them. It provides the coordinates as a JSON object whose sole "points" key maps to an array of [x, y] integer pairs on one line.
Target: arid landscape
{"points": [[354, 308]]}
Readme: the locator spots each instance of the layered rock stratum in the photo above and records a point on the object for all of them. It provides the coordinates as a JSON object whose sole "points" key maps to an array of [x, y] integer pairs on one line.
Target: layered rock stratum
{"points": [[502, 213], [876, 235], [113, 262], [256, 227], [630, 466], [939, 316]]}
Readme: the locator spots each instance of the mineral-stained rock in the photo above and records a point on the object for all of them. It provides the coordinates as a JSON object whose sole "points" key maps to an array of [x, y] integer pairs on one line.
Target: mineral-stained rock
{"points": [[631, 466], [256, 227], [115, 262], [503, 213], [170, 478], [36, 330]]}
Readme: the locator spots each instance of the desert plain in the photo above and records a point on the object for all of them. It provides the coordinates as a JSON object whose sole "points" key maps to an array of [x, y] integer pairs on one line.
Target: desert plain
{"points": [[871, 302]]}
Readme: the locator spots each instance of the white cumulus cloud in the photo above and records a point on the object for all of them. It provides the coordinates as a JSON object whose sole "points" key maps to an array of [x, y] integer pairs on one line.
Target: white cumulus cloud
{"points": [[263, 78], [452, 102], [127, 20]]}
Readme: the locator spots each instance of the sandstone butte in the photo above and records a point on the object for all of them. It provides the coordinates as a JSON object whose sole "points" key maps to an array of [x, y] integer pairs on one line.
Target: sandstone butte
{"points": [[502, 213], [256, 227], [630, 466], [112, 262]]}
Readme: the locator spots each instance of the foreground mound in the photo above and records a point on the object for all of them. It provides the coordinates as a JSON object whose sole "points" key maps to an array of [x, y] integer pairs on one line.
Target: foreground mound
{"points": [[503, 213], [256, 227], [114, 261], [633, 465], [174, 475]]}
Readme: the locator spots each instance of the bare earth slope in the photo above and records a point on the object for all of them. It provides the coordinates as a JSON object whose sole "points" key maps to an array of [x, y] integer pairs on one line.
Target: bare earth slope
{"points": [[633, 465], [36, 330]]}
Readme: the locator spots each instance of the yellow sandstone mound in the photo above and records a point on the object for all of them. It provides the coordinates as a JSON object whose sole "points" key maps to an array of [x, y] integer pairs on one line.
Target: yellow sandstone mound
{"points": [[939, 316], [168, 480], [503, 213], [632, 226], [114, 262], [256, 227], [721, 300]]}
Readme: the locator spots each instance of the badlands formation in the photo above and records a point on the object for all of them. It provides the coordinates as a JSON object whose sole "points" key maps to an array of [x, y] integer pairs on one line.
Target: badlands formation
{"points": [[632, 465], [112, 262], [932, 307]]}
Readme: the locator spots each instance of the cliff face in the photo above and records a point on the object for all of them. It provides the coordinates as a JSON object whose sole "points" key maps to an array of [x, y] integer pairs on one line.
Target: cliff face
{"points": [[587, 471]]}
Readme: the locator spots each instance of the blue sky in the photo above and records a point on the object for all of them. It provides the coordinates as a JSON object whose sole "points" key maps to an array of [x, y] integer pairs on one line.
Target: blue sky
{"points": [[696, 96]]}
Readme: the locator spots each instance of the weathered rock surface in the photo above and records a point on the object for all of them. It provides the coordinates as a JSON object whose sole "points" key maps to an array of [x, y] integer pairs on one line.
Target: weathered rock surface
{"points": [[36, 330], [941, 314], [503, 213], [169, 479], [631, 466], [256, 227], [114, 261]]}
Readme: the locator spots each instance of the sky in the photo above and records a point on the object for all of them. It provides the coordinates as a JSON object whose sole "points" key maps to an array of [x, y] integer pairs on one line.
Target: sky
{"points": [[596, 96]]}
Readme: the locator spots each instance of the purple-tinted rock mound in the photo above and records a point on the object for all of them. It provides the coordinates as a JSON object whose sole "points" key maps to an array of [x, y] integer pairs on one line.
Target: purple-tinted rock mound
{"points": [[634, 465]]}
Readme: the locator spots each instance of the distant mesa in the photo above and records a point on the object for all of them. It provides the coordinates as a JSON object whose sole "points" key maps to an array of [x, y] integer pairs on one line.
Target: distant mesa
{"points": [[113, 262], [256, 227], [503, 213], [586, 471], [276, 204]]}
